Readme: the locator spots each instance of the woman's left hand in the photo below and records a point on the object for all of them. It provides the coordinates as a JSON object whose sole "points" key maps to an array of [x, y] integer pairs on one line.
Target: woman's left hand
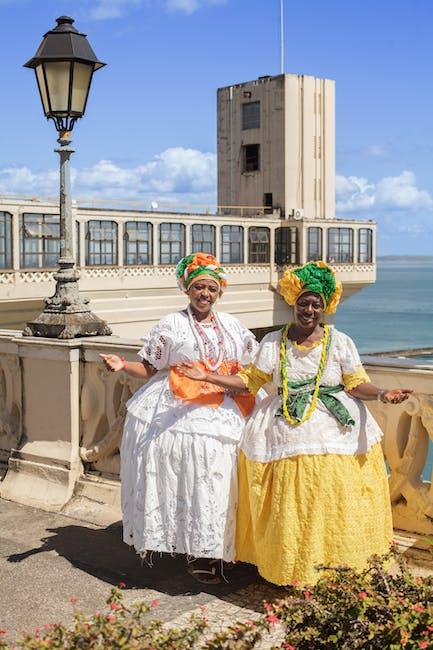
{"points": [[192, 372], [395, 396]]}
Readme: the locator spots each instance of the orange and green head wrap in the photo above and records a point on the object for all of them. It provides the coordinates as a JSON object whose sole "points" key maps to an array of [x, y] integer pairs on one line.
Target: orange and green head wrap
{"points": [[314, 277], [199, 265]]}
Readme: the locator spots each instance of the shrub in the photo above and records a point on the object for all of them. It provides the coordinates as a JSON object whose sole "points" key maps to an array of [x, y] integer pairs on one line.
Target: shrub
{"points": [[374, 609]]}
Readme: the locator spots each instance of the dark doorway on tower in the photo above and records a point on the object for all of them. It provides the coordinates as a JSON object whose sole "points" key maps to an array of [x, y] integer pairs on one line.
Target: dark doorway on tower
{"points": [[267, 202]]}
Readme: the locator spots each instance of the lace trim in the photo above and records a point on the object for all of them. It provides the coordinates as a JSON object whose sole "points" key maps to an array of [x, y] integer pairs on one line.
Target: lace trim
{"points": [[354, 379]]}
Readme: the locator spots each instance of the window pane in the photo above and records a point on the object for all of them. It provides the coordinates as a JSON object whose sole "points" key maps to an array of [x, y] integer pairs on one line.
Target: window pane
{"points": [[171, 242], [365, 245], [39, 240], [340, 245], [258, 245], [137, 242], [314, 244], [203, 238], [5, 240], [231, 244], [101, 243], [251, 115], [286, 246]]}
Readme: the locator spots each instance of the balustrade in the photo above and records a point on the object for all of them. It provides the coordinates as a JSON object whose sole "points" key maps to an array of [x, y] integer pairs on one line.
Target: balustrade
{"points": [[91, 424]]}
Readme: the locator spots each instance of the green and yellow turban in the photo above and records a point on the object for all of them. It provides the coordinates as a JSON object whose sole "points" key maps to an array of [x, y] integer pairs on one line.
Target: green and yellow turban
{"points": [[315, 277], [191, 267]]}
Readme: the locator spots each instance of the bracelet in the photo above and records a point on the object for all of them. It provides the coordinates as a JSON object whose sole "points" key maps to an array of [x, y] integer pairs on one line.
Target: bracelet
{"points": [[380, 397], [123, 363]]}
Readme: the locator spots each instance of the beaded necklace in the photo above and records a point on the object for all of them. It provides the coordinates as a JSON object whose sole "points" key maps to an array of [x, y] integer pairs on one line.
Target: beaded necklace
{"points": [[207, 349], [285, 380]]}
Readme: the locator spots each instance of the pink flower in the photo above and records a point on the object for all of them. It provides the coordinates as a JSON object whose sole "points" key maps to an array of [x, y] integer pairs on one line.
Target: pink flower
{"points": [[295, 583], [423, 644], [362, 595], [73, 599], [288, 646], [267, 606], [307, 595], [272, 619], [115, 606], [122, 585], [154, 603], [111, 618], [418, 608], [2, 631]]}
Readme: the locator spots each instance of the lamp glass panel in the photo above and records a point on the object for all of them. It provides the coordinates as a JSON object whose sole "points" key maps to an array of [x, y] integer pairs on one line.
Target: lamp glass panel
{"points": [[80, 86], [58, 74], [42, 88]]}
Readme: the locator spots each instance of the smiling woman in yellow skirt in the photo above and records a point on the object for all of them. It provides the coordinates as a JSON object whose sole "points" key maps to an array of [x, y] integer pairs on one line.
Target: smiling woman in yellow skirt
{"points": [[313, 487]]}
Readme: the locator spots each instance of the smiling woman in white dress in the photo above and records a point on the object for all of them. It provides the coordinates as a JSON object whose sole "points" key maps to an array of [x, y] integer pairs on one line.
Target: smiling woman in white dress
{"points": [[180, 441]]}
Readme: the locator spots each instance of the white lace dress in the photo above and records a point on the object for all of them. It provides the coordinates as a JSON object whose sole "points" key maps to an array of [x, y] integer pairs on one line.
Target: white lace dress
{"points": [[179, 459]]}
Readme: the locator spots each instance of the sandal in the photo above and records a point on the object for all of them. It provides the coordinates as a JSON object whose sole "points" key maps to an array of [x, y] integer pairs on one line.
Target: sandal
{"points": [[206, 572]]}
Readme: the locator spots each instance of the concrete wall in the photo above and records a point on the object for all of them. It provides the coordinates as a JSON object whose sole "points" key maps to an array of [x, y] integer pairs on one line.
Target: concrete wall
{"points": [[297, 144]]}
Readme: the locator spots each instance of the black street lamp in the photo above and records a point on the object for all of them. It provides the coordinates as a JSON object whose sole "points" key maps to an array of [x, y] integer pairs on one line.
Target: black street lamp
{"points": [[64, 65]]}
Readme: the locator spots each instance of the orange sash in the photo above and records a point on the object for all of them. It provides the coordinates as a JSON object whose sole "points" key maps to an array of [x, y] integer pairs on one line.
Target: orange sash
{"points": [[201, 392]]}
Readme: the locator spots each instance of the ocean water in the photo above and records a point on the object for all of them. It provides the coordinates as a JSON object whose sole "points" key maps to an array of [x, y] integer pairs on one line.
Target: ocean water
{"points": [[396, 313]]}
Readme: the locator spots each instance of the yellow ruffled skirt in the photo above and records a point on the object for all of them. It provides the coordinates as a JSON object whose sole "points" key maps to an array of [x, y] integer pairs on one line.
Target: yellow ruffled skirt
{"points": [[301, 511]]}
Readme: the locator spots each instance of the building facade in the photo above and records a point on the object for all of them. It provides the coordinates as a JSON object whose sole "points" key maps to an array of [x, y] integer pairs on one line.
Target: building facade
{"points": [[276, 208], [276, 145]]}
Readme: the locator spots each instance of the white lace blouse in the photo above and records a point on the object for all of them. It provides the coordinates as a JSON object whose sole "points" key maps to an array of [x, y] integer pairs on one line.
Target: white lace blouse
{"points": [[171, 342], [269, 436]]}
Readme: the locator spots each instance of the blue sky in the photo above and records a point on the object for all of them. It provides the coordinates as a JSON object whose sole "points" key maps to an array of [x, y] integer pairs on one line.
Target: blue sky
{"points": [[149, 132]]}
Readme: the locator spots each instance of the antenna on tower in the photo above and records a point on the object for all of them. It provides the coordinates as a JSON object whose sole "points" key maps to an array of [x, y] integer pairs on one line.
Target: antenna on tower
{"points": [[282, 36]]}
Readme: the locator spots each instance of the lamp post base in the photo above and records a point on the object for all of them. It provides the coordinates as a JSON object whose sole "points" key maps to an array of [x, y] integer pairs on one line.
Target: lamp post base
{"points": [[66, 314], [66, 325]]}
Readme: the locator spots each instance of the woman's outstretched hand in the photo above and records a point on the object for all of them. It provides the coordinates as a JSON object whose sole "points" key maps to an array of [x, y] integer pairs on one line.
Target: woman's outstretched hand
{"points": [[192, 372], [112, 362], [395, 396]]}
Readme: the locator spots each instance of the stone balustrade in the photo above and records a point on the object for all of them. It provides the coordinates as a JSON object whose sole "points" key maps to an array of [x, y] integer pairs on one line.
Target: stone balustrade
{"points": [[62, 413]]}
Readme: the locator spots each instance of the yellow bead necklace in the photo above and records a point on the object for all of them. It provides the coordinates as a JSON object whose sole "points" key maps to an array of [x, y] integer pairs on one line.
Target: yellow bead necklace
{"points": [[285, 380]]}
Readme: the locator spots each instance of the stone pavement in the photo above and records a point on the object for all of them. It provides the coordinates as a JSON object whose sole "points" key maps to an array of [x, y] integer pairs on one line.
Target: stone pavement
{"points": [[46, 558]]}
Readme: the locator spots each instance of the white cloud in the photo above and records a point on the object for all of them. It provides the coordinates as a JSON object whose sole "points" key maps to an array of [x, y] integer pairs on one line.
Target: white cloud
{"points": [[106, 9], [176, 177], [353, 193], [402, 192], [189, 6], [21, 180], [376, 151], [393, 193], [109, 9]]}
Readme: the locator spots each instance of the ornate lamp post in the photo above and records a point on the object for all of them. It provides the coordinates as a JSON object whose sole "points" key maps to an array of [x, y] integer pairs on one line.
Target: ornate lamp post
{"points": [[64, 65]]}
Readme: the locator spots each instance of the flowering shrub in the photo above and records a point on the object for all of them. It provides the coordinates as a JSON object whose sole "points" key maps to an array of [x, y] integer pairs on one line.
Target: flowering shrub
{"points": [[374, 609]]}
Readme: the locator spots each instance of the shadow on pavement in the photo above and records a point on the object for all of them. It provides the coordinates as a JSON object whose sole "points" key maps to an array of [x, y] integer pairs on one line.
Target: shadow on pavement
{"points": [[103, 554]]}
